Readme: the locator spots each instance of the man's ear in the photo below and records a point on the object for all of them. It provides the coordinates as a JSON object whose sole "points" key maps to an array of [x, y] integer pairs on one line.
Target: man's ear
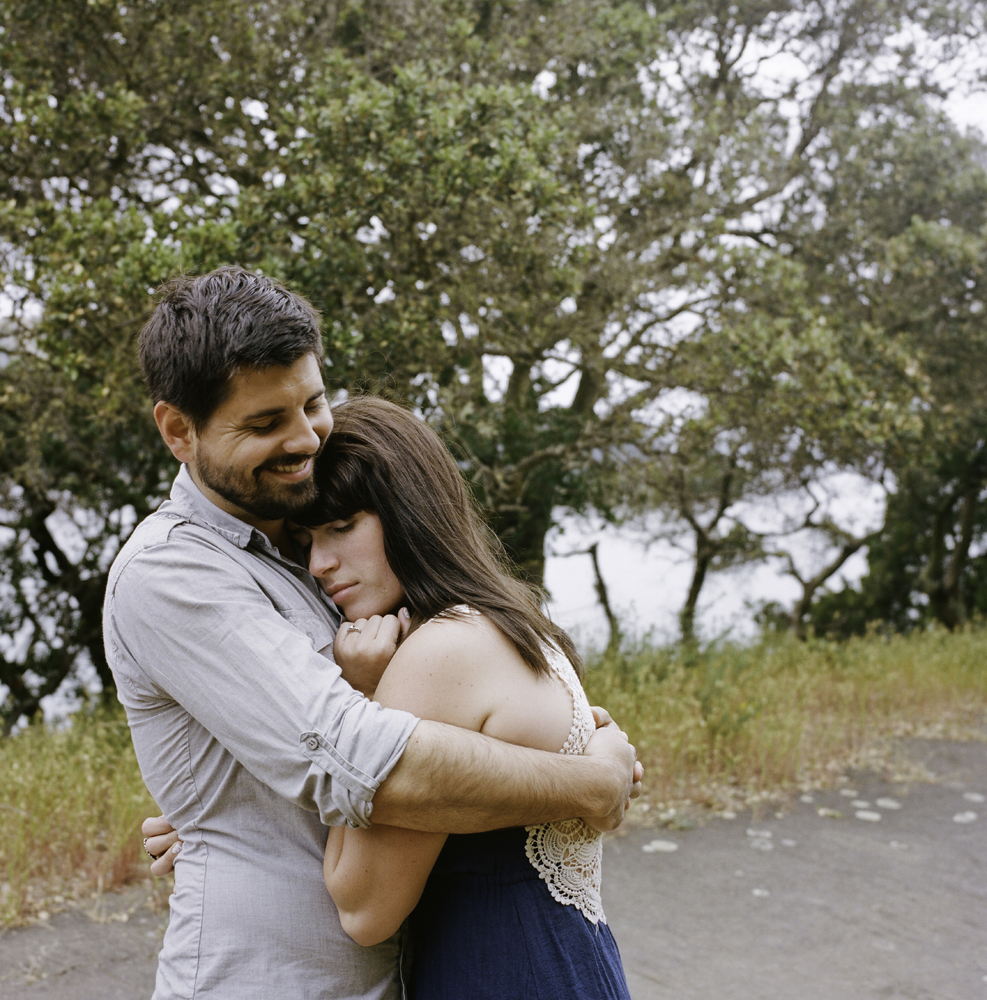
{"points": [[177, 431]]}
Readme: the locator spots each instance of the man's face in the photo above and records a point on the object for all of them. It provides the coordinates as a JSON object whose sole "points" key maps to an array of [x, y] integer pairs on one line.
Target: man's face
{"points": [[257, 451]]}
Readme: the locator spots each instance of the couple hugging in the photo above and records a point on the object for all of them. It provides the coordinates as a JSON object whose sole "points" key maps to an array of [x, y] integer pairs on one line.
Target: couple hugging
{"points": [[446, 708]]}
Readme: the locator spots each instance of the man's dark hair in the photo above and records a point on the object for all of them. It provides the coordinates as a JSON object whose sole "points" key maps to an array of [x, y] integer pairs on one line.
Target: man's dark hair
{"points": [[207, 327]]}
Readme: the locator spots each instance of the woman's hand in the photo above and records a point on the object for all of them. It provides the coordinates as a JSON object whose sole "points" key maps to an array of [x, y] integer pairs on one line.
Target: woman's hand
{"points": [[364, 648], [161, 843]]}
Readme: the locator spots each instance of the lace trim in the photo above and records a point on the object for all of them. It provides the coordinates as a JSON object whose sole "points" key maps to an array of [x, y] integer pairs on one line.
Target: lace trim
{"points": [[568, 855]]}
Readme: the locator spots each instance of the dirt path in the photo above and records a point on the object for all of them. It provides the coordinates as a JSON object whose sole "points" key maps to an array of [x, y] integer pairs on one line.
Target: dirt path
{"points": [[797, 906]]}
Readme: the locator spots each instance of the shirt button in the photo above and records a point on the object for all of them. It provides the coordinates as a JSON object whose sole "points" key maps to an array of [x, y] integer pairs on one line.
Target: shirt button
{"points": [[312, 743]]}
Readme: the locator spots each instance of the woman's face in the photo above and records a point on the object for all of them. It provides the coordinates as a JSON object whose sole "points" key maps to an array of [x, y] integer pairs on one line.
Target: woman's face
{"points": [[348, 557]]}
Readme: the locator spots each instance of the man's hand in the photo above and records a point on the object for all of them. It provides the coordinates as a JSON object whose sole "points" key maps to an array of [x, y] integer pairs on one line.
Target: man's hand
{"points": [[161, 843], [364, 648], [610, 742]]}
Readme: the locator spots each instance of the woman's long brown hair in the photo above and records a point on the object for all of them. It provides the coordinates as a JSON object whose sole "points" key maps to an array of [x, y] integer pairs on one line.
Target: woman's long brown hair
{"points": [[382, 459]]}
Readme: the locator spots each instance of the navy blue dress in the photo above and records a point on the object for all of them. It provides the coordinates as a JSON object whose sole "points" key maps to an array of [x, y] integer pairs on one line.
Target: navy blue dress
{"points": [[487, 928]]}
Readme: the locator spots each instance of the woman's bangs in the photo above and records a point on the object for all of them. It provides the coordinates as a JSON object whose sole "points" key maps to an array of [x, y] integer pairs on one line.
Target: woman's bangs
{"points": [[340, 491]]}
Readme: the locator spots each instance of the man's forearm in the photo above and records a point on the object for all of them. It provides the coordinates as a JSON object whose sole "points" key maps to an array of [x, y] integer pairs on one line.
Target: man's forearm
{"points": [[450, 780]]}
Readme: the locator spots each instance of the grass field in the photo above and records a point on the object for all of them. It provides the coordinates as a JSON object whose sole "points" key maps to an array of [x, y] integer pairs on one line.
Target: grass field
{"points": [[71, 802], [726, 727], [717, 729]]}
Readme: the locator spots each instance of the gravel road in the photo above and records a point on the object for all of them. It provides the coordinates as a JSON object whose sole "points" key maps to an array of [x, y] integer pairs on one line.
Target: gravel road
{"points": [[870, 890]]}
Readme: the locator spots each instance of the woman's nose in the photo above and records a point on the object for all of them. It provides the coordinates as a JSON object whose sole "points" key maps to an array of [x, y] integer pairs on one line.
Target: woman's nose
{"points": [[321, 558]]}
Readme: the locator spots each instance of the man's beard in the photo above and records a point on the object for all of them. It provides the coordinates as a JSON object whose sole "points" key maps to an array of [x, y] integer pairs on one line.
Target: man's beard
{"points": [[246, 491]]}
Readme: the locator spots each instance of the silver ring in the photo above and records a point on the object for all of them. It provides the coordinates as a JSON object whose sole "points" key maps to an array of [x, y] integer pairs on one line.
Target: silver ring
{"points": [[353, 628]]}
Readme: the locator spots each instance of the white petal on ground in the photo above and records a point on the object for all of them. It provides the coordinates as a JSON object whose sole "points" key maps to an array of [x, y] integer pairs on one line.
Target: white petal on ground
{"points": [[760, 892], [788, 843], [848, 793], [728, 814], [860, 804], [807, 799], [967, 817], [884, 945], [973, 797], [869, 815], [660, 846], [760, 840], [739, 873], [888, 804], [897, 845], [827, 813]]}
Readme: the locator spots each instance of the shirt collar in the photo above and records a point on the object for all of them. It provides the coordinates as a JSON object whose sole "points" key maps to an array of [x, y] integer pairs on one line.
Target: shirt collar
{"points": [[190, 501]]}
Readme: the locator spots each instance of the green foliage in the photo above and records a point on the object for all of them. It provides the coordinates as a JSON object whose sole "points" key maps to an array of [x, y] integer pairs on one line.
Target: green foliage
{"points": [[926, 290], [538, 268]]}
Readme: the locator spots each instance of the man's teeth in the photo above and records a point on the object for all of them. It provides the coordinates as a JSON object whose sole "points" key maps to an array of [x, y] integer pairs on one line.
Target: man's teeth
{"points": [[297, 467]]}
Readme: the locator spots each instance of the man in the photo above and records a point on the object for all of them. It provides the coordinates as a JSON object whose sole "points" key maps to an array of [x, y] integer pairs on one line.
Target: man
{"points": [[220, 642]]}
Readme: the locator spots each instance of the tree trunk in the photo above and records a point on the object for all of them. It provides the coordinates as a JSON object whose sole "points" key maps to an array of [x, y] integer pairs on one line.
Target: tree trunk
{"points": [[705, 550], [523, 527], [943, 576], [603, 596], [809, 587]]}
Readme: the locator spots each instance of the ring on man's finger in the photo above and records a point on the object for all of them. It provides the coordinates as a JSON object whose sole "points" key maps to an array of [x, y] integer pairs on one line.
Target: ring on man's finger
{"points": [[153, 857], [353, 628]]}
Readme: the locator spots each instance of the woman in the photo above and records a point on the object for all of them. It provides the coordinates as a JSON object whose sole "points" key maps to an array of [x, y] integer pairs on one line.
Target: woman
{"points": [[508, 914]]}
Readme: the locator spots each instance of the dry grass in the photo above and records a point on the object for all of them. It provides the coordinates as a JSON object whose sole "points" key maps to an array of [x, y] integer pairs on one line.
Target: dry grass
{"points": [[730, 726], [719, 730], [71, 802]]}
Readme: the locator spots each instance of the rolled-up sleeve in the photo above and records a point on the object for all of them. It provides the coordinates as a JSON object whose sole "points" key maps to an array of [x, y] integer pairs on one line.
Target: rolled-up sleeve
{"points": [[186, 622]]}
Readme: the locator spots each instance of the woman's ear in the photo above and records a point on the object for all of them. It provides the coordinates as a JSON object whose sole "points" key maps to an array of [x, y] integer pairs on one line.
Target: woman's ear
{"points": [[176, 430], [404, 623]]}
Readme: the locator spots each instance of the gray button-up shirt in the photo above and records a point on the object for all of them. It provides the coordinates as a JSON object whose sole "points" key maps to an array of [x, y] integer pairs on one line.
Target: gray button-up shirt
{"points": [[251, 743]]}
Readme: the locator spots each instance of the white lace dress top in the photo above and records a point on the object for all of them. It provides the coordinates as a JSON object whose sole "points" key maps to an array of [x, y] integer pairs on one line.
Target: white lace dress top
{"points": [[568, 855]]}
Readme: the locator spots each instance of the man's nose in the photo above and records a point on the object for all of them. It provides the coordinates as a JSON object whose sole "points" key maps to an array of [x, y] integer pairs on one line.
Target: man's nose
{"points": [[305, 435]]}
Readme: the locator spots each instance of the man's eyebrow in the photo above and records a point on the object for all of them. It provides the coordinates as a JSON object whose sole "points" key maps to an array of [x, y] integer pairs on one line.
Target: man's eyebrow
{"points": [[273, 411]]}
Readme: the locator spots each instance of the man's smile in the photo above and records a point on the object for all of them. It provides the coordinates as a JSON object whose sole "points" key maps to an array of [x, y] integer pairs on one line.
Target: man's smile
{"points": [[291, 472]]}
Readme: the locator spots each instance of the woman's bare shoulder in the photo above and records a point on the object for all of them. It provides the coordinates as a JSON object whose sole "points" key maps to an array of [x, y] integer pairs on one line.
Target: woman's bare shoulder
{"points": [[442, 671]]}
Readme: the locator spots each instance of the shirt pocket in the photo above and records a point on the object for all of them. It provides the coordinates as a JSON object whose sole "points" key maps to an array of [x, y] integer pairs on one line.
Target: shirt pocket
{"points": [[318, 629]]}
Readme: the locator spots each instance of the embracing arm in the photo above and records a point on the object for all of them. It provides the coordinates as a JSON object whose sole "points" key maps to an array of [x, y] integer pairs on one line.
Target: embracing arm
{"points": [[461, 782]]}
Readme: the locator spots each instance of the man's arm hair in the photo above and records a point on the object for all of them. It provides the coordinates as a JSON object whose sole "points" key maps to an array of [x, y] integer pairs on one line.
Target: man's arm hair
{"points": [[450, 780]]}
